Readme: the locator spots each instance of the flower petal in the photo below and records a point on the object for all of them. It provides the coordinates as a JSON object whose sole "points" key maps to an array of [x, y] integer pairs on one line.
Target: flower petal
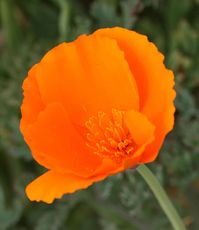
{"points": [[140, 128], [154, 81], [57, 145], [32, 102], [87, 76], [142, 132], [52, 185]]}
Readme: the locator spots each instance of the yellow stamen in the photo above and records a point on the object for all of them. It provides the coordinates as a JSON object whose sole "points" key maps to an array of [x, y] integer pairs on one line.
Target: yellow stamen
{"points": [[109, 137]]}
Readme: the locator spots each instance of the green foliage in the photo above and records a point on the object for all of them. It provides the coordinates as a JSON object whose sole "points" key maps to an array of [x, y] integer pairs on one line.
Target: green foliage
{"points": [[9, 215], [122, 201]]}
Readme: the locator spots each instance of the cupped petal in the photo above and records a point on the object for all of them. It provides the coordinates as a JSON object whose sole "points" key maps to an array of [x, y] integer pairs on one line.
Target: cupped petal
{"points": [[87, 76], [139, 126], [56, 144], [154, 82], [53, 185], [32, 103], [142, 132], [164, 123]]}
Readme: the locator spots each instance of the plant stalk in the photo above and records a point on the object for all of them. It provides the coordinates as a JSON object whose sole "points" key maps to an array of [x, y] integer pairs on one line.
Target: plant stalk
{"points": [[9, 24], [162, 197]]}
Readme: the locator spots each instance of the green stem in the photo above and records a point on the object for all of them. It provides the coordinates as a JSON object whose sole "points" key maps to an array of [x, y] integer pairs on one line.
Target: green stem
{"points": [[64, 18], [9, 24], [162, 197]]}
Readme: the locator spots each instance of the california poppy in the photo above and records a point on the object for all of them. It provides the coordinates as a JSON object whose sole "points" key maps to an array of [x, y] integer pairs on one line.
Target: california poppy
{"points": [[95, 107]]}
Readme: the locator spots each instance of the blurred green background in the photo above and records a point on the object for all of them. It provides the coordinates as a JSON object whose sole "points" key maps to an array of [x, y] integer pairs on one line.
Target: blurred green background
{"points": [[28, 28]]}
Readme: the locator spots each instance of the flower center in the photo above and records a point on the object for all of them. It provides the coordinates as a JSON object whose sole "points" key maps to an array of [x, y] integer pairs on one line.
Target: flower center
{"points": [[108, 136]]}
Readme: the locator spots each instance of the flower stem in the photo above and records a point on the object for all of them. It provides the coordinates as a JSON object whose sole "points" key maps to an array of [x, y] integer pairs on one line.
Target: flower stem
{"points": [[162, 197], [9, 24], [64, 18]]}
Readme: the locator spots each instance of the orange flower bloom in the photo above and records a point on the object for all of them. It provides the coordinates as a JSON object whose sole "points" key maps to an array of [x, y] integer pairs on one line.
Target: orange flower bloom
{"points": [[95, 107]]}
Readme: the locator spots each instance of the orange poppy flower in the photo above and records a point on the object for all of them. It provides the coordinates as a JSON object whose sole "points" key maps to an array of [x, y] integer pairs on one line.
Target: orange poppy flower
{"points": [[95, 107]]}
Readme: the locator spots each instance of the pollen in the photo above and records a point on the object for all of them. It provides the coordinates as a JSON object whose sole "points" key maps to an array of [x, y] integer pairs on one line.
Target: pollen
{"points": [[108, 137]]}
